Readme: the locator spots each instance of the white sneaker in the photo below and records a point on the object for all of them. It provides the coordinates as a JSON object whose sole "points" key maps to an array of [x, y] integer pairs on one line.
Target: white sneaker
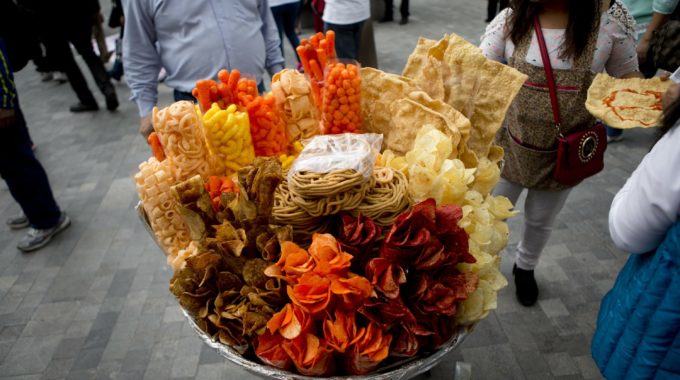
{"points": [[38, 238]]}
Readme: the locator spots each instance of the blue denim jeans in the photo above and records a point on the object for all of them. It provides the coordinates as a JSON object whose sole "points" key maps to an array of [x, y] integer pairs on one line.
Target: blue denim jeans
{"points": [[25, 176], [347, 39]]}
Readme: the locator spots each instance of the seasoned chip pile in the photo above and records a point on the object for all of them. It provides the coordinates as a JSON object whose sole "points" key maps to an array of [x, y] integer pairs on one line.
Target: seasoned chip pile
{"points": [[336, 254]]}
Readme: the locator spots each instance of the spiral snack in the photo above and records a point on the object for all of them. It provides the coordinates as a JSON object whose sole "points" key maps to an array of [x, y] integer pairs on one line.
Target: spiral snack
{"points": [[181, 135], [287, 212], [228, 135], [153, 182], [387, 199]]}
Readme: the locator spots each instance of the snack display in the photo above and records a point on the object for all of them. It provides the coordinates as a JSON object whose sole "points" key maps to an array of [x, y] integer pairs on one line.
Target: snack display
{"points": [[344, 253], [626, 103]]}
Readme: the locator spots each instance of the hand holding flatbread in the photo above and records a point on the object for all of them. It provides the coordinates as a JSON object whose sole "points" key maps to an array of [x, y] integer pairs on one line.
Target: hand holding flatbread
{"points": [[627, 103]]}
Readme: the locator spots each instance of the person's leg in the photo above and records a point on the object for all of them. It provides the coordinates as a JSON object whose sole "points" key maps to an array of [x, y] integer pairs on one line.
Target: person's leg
{"points": [[181, 95], [277, 12], [60, 51], [389, 11], [503, 4], [290, 13], [540, 211], [356, 30], [116, 71], [25, 176], [403, 9], [80, 34], [491, 9], [614, 134], [510, 190], [345, 44]]}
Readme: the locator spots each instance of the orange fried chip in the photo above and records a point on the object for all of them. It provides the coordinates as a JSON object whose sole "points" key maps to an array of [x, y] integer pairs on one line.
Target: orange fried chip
{"points": [[352, 292], [312, 292], [372, 348], [294, 262], [342, 332], [311, 356], [269, 349], [289, 322], [327, 255]]}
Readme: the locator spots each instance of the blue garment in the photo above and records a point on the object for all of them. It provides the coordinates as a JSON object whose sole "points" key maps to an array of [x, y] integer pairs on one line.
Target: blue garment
{"points": [[638, 328], [193, 40]]}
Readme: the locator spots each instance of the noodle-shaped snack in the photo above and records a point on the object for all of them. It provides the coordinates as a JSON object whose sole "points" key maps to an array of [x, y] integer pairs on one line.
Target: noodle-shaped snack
{"points": [[308, 184], [153, 182], [294, 100], [227, 133], [387, 198], [333, 204], [287, 212], [181, 134]]}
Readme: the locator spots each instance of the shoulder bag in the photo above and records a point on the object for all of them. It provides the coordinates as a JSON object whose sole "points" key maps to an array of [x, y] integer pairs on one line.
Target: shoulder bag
{"points": [[579, 154]]}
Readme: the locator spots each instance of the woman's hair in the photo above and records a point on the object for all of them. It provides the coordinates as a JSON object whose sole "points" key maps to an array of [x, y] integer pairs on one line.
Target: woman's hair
{"points": [[671, 116], [584, 18]]}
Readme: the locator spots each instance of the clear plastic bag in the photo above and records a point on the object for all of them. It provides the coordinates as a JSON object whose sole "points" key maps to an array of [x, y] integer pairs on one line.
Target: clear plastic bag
{"points": [[346, 151]]}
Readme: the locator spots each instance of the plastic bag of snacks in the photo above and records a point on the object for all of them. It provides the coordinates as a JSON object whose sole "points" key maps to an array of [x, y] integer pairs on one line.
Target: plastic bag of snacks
{"points": [[228, 135], [341, 106], [347, 151], [267, 128]]}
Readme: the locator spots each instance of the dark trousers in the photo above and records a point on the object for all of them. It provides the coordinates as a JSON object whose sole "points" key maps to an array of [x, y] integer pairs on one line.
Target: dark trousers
{"points": [[347, 39], [492, 8], [403, 9], [79, 33], [285, 16], [25, 176]]}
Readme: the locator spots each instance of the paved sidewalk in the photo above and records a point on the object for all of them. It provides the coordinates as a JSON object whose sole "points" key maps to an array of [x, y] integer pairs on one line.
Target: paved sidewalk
{"points": [[95, 303]]}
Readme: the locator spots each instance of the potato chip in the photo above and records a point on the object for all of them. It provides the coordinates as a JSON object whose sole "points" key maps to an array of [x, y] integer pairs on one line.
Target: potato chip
{"points": [[406, 114]]}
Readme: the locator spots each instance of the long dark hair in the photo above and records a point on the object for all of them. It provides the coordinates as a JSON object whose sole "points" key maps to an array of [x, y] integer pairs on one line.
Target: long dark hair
{"points": [[584, 18]]}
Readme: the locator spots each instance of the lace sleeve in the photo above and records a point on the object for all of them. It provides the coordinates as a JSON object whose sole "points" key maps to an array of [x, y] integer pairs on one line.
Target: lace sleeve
{"points": [[619, 13]]}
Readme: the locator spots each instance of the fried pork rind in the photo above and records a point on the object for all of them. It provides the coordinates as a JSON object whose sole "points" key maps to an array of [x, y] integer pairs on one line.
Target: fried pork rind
{"points": [[636, 101], [194, 206], [481, 89], [378, 91]]}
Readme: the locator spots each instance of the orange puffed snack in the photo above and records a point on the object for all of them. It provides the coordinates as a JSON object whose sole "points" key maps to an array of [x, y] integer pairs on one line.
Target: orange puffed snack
{"points": [[267, 128], [341, 107]]}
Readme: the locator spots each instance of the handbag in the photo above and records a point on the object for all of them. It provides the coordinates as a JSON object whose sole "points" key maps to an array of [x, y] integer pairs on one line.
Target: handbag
{"points": [[579, 154]]}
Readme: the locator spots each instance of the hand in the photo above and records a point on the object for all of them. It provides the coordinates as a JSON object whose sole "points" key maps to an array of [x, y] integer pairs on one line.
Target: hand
{"points": [[642, 50], [671, 95], [7, 117], [145, 127]]}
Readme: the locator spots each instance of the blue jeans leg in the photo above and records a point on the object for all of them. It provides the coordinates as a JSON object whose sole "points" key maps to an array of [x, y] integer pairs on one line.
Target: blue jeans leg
{"points": [[25, 176], [181, 95], [347, 39], [614, 132]]}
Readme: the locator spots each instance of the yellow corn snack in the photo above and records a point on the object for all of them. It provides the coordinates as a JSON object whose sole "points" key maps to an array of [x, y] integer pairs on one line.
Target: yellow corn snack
{"points": [[227, 133], [287, 159]]}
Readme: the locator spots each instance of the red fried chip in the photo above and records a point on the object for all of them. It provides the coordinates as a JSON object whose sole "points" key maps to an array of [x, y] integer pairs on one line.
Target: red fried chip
{"points": [[386, 276], [269, 349]]}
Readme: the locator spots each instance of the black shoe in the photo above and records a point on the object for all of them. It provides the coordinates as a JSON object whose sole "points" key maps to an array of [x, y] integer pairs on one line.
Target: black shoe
{"points": [[403, 21], [526, 288], [111, 99], [80, 107], [488, 20], [385, 19]]}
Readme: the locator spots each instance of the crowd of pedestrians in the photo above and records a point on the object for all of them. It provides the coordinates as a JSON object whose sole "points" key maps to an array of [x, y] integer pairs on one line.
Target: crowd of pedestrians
{"points": [[186, 41]]}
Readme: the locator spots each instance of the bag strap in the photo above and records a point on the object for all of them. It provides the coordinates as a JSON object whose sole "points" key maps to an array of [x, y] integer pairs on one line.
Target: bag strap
{"points": [[548, 73]]}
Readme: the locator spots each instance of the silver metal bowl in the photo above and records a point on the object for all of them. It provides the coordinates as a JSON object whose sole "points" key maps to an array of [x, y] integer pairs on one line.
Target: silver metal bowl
{"points": [[401, 370]]}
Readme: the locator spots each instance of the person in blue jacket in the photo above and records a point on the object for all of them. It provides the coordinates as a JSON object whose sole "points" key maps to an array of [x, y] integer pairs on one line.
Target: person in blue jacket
{"points": [[638, 327]]}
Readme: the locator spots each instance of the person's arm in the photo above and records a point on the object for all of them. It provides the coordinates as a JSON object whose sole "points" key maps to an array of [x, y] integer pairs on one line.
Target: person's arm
{"points": [[494, 38], [272, 44], [649, 202], [8, 93], [141, 59], [622, 61], [658, 19]]}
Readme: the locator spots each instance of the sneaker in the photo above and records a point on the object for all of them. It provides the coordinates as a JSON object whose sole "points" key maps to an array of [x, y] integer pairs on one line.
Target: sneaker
{"points": [[526, 288], [46, 77], [36, 239], [613, 139], [18, 222], [59, 77], [80, 107], [111, 99]]}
